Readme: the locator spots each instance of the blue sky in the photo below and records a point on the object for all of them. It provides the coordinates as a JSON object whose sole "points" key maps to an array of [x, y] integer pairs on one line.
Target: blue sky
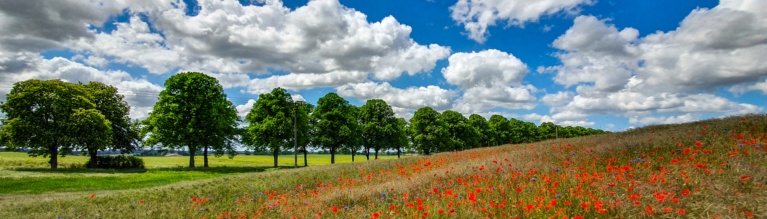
{"points": [[601, 64]]}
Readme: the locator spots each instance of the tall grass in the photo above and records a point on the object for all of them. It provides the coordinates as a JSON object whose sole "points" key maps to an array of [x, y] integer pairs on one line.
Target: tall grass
{"points": [[708, 169]]}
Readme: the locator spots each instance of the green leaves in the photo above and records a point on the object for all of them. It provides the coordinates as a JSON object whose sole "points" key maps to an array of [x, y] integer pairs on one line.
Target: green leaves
{"points": [[44, 116], [334, 123], [378, 125], [429, 134], [193, 112], [271, 122]]}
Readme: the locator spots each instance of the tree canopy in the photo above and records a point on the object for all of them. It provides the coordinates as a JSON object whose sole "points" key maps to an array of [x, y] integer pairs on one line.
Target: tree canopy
{"points": [[271, 122], [378, 126], [429, 134], [42, 116], [192, 112], [334, 123]]}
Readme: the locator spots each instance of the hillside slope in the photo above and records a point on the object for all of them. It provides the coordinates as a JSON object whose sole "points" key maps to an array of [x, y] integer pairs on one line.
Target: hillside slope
{"points": [[712, 169]]}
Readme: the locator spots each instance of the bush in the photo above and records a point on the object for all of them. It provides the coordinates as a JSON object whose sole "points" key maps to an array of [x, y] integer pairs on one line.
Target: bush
{"points": [[117, 162]]}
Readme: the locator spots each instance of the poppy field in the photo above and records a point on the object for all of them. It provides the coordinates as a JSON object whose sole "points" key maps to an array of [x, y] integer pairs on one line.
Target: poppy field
{"points": [[708, 169]]}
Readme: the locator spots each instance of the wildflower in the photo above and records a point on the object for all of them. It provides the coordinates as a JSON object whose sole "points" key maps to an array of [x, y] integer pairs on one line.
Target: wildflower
{"points": [[335, 209], [648, 210], [745, 178], [376, 215], [698, 143], [93, 195]]}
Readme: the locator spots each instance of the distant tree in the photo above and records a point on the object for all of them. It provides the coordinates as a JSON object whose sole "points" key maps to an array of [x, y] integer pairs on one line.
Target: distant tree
{"points": [[401, 135], [271, 122], [192, 112], [461, 135], [499, 129], [40, 115], [547, 130], [304, 132], [483, 131], [334, 121], [379, 126], [529, 134], [429, 134], [354, 143]]}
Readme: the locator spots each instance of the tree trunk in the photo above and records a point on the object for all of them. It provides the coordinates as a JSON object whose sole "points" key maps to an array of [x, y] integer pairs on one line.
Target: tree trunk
{"points": [[54, 151], [305, 164], [398, 152], [276, 152], [376, 151], [205, 157], [191, 157], [353, 152], [367, 152], [94, 156], [332, 155]]}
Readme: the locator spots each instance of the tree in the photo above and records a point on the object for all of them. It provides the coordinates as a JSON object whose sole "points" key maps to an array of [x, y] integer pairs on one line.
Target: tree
{"points": [[355, 140], [192, 112], [93, 132], [401, 136], [461, 135], [271, 122], [379, 126], [334, 121], [499, 129], [304, 132], [547, 130], [483, 130], [124, 134], [427, 130], [40, 115]]}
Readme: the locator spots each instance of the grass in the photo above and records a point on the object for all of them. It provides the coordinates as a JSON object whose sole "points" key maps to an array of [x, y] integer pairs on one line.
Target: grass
{"points": [[709, 169], [21, 174]]}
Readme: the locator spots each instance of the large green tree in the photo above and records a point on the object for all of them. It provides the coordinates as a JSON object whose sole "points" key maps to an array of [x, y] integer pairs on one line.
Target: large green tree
{"points": [[499, 130], [124, 135], [379, 126], [429, 134], [334, 123], [192, 112], [483, 130], [461, 135], [41, 116], [271, 122]]}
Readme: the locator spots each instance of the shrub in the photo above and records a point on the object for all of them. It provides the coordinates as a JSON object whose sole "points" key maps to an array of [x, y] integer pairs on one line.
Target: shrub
{"points": [[117, 162]]}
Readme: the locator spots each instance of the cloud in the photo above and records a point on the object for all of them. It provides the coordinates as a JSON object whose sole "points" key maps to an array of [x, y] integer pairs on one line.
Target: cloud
{"points": [[244, 109], [477, 15], [489, 79], [485, 68], [304, 81], [139, 93], [320, 37], [664, 77], [410, 98], [711, 48]]}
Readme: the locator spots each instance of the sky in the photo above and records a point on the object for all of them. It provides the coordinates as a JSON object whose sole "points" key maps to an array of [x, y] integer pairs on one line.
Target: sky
{"points": [[605, 64]]}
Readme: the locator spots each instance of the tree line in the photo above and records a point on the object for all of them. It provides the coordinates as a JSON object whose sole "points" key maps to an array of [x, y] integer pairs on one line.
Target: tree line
{"points": [[52, 117]]}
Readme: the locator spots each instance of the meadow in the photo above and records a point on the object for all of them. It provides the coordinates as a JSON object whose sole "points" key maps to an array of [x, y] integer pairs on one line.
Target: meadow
{"points": [[708, 169]]}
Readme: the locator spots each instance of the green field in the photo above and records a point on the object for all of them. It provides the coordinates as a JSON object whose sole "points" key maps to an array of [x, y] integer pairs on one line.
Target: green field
{"points": [[21, 174]]}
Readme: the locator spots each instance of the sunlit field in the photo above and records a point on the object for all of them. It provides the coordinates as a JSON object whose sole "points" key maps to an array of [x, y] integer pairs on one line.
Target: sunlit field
{"points": [[21, 174], [708, 169]]}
